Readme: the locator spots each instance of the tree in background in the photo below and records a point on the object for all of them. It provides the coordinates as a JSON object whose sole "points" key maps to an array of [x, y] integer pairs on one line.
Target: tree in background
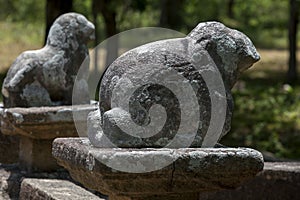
{"points": [[230, 9], [293, 23], [55, 8], [108, 10], [113, 13], [171, 14]]}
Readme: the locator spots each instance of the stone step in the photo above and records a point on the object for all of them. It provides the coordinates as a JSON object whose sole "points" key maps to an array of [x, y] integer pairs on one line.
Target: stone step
{"points": [[53, 189]]}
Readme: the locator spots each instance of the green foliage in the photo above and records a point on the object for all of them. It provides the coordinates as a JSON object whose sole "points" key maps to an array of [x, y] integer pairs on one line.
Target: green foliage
{"points": [[83, 7], [267, 117], [265, 22], [22, 10], [205, 10], [135, 18]]}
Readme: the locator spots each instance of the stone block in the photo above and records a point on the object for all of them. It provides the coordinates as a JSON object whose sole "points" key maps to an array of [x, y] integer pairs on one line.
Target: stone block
{"points": [[44, 122], [193, 171], [37, 127], [53, 189]]}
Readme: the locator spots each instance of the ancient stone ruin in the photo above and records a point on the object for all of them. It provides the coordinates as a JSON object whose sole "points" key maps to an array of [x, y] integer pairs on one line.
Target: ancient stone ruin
{"points": [[37, 93], [133, 149], [154, 166], [45, 77], [231, 51]]}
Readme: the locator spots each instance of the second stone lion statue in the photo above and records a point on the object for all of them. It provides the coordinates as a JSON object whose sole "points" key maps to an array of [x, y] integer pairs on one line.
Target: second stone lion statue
{"points": [[45, 77]]}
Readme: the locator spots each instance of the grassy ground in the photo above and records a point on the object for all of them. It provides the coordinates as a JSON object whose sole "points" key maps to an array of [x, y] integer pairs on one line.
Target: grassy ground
{"points": [[267, 111]]}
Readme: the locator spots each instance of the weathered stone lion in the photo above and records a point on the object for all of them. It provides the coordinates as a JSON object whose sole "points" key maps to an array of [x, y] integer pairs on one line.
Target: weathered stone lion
{"points": [[162, 62], [45, 77]]}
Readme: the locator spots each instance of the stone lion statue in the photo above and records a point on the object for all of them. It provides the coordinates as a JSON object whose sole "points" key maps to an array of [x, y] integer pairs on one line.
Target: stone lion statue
{"points": [[45, 77]]}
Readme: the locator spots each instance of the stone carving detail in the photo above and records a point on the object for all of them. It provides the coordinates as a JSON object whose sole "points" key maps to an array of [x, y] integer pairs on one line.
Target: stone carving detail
{"points": [[45, 77], [232, 53]]}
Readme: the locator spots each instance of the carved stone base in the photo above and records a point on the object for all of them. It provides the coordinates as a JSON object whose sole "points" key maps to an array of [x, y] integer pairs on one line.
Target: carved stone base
{"points": [[36, 129], [193, 170]]}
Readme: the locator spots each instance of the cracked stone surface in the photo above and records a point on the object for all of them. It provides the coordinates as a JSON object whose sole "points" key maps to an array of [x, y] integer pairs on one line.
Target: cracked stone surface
{"points": [[230, 50], [45, 77], [195, 170]]}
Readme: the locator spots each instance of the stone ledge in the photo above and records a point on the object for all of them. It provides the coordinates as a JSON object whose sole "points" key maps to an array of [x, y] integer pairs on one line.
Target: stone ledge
{"points": [[195, 170], [53, 189], [43, 122]]}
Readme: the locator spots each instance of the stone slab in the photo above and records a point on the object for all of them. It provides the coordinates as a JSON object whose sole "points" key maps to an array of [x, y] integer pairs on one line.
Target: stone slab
{"points": [[53, 189], [44, 122], [195, 170]]}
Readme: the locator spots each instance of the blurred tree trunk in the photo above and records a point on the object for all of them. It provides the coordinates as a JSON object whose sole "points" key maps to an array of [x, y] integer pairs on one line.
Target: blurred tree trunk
{"points": [[170, 16], [108, 11], [96, 41], [230, 6], [293, 22], [55, 8]]}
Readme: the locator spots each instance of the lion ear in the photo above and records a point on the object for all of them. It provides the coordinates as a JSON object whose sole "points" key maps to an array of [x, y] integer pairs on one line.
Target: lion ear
{"points": [[81, 19]]}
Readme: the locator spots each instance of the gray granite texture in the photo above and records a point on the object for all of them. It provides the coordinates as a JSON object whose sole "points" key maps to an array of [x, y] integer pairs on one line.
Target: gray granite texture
{"points": [[211, 48], [45, 77], [195, 170]]}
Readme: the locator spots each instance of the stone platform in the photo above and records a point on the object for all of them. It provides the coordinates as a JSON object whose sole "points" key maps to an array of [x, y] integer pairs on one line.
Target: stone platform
{"points": [[278, 181], [194, 171], [37, 127]]}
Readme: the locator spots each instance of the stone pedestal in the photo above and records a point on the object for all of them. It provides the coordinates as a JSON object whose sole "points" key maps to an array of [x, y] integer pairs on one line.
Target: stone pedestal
{"points": [[37, 127], [35, 154], [9, 148], [194, 170]]}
